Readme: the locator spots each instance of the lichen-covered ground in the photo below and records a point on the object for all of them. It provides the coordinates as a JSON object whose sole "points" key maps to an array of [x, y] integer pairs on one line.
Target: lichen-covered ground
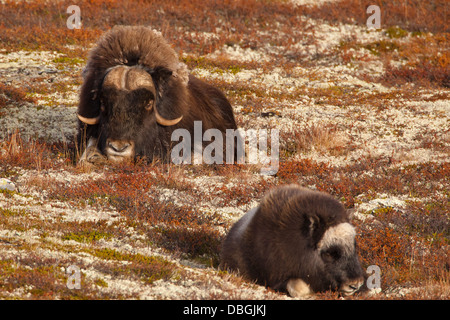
{"points": [[362, 114]]}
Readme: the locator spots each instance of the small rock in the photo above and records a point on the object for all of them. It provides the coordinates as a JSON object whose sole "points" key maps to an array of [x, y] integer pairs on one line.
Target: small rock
{"points": [[6, 184], [49, 71], [270, 114]]}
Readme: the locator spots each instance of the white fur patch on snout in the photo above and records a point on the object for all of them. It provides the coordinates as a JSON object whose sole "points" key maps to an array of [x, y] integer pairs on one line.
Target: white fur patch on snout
{"points": [[342, 235]]}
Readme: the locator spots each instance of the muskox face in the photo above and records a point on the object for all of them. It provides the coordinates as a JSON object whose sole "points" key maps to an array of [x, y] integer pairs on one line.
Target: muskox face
{"points": [[128, 112], [337, 249]]}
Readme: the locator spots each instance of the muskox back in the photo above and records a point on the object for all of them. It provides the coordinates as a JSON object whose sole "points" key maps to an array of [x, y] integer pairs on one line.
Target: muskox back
{"points": [[297, 240], [136, 92], [212, 106]]}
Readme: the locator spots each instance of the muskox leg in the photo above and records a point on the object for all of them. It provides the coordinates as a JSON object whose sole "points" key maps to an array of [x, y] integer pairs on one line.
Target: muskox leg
{"points": [[297, 288], [91, 154]]}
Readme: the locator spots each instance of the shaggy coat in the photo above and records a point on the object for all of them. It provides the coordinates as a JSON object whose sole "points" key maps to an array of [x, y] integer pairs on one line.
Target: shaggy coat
{"points": [[295, 234], [125, 116]]}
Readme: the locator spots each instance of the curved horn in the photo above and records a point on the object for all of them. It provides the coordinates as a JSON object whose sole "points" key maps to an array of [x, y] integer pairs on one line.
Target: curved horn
{"points": [[165, 122], [90, 121]]}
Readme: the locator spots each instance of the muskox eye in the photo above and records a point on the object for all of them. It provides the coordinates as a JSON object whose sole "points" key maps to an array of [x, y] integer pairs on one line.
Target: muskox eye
{"points": [[149, 106], [332, 254]]}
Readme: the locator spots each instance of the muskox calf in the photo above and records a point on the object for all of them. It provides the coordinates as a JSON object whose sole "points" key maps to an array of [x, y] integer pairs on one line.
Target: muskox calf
{"points": [[136, 92], [297, 241]]}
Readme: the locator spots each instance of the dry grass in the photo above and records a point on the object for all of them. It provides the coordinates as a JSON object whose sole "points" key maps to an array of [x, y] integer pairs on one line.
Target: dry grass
{"points": [[10, 95], [25, 154], [315, 137]]}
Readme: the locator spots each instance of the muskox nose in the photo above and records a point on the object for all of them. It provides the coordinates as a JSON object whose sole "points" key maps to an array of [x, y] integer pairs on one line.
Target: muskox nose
{"points": [[351, 287], [117, 150], [354, 286], [118, 146]]}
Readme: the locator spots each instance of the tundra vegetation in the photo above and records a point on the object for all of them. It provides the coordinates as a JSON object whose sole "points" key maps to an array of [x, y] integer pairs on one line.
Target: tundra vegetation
{"points": [[363, 115]]}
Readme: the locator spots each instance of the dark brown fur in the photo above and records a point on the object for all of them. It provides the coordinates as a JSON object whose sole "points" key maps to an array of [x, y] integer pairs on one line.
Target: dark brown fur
{"points": [[177, 94], [280, 240]]}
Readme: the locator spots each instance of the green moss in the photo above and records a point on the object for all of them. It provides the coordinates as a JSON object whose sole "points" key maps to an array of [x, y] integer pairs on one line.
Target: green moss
{"points": [[336, 90], [234, 69], [382, 46], [382, 211], [87, 236], [147, 268], [7, 268], [194, 62], [7, 193], [101, 283], [8, 172], [67, 60], [111, 254], [396, 32], [216, 66], [217, 70], [12, 213], [418, 34]]}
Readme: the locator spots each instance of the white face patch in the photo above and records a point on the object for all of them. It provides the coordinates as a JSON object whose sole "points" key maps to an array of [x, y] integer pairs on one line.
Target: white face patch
{"points": [[342, 235]]}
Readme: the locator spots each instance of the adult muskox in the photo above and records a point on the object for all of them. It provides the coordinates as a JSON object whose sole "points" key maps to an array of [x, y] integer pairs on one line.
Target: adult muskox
{"points": [[297, 240], [136, 93]]}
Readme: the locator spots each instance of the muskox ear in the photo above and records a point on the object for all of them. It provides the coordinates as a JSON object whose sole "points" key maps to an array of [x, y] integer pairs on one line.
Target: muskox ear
{"points": [[89, 102], [161, 76], [313, 225], [316, 229]]}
